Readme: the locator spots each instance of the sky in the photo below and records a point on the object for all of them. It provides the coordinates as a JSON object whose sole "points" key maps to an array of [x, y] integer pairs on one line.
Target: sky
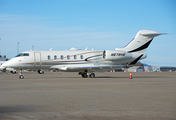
{"points": [[97, 24]]}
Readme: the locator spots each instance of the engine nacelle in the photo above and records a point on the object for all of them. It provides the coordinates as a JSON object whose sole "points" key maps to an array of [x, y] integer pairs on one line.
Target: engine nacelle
{"points": [[116, 55]]}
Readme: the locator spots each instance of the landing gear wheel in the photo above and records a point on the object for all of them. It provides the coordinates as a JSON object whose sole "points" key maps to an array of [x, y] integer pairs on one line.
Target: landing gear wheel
{"points": [[84, 75], [40, 71], [21, 76], [92, 75]]}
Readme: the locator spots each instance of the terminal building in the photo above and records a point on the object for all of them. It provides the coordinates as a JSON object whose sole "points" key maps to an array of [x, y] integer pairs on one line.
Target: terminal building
{"points": [[152, 68], [144, 69], [135, 69]]}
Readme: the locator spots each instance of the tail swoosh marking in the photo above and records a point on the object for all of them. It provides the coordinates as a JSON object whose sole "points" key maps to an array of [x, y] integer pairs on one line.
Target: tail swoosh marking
{"points": [[135, 61], [142, 47]]}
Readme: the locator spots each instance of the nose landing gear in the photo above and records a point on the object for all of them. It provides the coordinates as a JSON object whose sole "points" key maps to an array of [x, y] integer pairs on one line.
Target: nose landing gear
{"points": [[21, 74], [40, 71], [21, 77]]}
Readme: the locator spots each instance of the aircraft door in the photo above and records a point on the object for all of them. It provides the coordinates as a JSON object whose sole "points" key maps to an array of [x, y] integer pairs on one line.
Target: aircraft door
{"points": [[37, 60]]}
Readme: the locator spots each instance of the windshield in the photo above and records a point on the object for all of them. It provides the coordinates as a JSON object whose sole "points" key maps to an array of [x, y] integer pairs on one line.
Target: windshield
{"points": [[22, 54]]}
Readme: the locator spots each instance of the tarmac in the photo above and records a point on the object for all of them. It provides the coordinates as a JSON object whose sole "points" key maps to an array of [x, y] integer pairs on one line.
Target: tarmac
{"points": [[68, 96]]}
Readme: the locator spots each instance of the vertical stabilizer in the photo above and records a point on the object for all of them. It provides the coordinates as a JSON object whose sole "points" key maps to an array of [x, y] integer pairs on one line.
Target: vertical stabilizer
{"points": [[141, 41]]}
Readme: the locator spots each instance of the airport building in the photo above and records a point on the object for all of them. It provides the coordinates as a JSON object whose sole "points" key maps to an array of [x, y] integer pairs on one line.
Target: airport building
{"points": [[144, 69], [152, 68], [135, 69]]}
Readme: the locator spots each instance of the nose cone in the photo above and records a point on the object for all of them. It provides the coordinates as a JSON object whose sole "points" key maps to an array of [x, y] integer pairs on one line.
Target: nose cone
{"points": [[7, 64]]}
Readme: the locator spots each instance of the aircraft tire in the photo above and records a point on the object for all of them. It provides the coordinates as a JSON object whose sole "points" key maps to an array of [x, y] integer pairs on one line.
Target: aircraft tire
{"points": [[40, 71], [21, 77], [92, 75], [84, 75]]}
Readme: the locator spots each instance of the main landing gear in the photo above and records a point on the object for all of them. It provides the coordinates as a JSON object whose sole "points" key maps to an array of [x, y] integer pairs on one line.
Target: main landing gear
{"points": [[85, 75], [92, 75]]}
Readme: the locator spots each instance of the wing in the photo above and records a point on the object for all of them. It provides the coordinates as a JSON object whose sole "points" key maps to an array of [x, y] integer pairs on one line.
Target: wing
{"points": [[79, 68]]}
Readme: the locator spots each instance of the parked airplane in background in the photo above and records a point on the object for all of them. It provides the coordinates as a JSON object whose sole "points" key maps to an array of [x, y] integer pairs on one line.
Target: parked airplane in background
{"points": [[12, 70], [84, 61], [1, 62]]}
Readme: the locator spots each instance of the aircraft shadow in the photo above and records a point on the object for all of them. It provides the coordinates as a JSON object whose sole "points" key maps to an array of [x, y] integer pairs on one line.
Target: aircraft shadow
{"points": [[17, 108], [109, 77]]}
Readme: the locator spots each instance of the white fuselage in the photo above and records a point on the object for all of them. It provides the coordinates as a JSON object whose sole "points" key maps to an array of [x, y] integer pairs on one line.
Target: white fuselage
{"points": [[61, 60]]}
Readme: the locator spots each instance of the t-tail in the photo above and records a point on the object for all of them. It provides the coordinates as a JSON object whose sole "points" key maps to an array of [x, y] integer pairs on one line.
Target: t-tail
{"points": [[139, 44], [141, 41]]}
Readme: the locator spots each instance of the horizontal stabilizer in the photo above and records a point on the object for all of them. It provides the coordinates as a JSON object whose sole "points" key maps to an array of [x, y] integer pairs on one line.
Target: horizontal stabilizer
{"points": [[153, 34]]}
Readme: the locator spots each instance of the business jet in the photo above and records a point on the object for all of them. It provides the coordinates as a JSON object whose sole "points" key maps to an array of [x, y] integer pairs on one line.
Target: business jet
{"points": [[85, 62]]}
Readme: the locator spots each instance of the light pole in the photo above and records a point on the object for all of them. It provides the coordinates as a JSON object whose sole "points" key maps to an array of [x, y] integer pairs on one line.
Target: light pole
{"points": [[18, 47], [32, 48]]}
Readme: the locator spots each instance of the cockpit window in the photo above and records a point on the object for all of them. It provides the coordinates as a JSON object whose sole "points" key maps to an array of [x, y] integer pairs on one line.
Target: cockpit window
{"points": [[22, 54]]}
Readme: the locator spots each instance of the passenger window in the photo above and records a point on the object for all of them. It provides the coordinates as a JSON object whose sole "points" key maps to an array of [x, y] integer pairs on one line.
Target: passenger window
{"points": [[68, 57], [74, 56], [81, 56], [55, 57], [62, 57], [48, 57]]}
